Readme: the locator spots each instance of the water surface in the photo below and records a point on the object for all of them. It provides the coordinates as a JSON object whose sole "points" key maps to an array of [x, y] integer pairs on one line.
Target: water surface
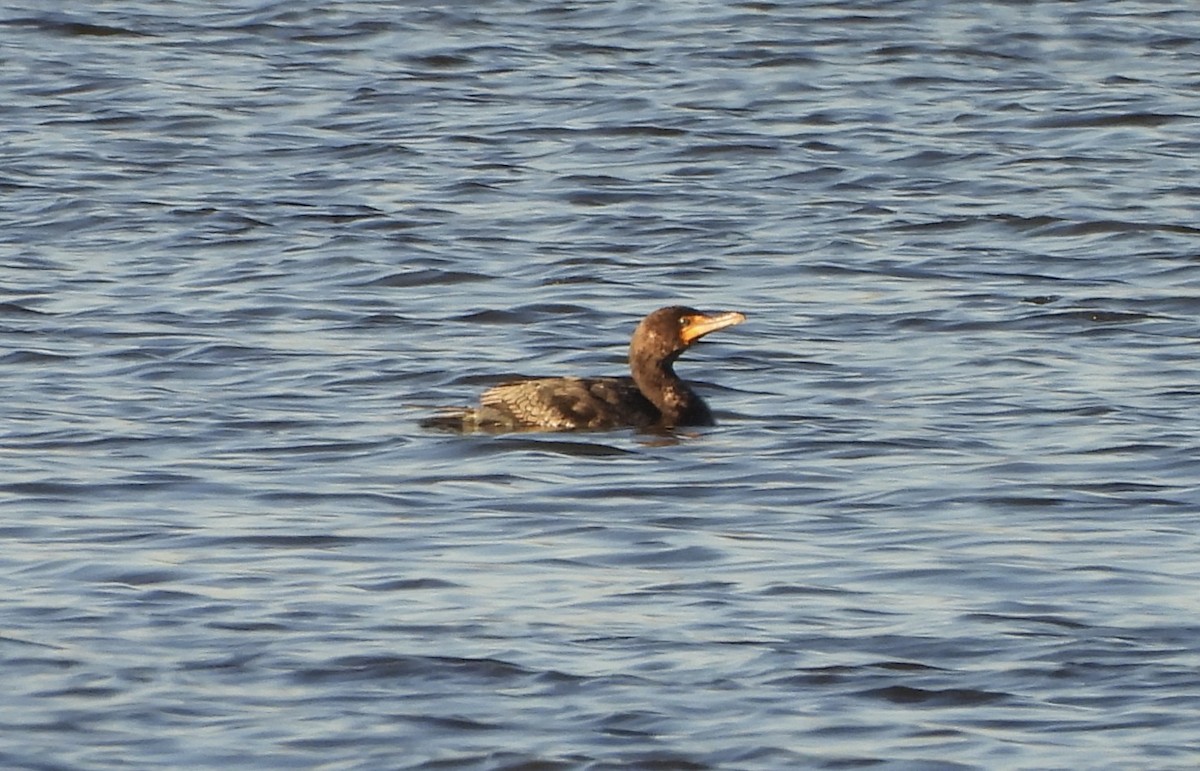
{"points": [[949, 516]]}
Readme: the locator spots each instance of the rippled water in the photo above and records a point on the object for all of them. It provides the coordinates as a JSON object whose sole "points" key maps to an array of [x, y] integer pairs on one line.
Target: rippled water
{"points": [[949, 518]]}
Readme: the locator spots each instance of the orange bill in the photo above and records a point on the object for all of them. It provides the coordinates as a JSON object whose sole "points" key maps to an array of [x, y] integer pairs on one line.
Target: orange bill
{"points": [[696, 327]]}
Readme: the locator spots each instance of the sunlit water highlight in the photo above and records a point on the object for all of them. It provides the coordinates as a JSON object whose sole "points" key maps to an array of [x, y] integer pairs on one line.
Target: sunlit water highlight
{"points": [[949, 517]]}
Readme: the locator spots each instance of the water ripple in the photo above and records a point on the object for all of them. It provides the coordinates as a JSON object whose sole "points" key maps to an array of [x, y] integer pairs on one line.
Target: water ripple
{"points": [[947, 518]]}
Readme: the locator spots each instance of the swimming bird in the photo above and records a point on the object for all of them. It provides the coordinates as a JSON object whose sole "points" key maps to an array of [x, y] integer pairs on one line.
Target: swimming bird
{"points": [[653, 396]]}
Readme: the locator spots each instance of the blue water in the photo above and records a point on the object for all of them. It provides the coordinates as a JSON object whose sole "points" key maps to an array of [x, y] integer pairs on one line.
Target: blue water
{"points": [[949, 518]]}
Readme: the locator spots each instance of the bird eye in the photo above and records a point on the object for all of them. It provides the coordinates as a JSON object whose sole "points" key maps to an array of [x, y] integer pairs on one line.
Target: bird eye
{"points": [[685, 320]]}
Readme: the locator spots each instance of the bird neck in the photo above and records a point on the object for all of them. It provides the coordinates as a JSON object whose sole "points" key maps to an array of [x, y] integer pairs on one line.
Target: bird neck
{"points": [[657, 381]]}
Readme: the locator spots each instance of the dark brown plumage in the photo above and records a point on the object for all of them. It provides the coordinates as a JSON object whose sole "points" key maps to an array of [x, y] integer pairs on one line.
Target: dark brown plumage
{"points": [[653, 396]]}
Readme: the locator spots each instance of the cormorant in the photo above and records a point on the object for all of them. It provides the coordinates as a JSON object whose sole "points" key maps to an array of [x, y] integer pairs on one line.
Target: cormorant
{"points": [[653, 397]]}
